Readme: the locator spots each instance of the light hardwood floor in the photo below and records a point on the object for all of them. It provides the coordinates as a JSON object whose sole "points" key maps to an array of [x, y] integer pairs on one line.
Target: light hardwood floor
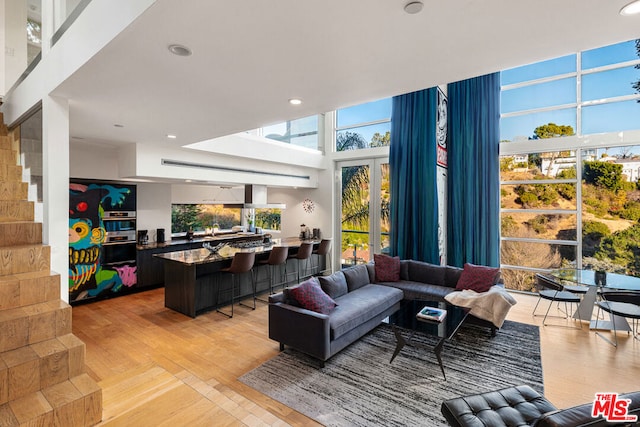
{"points": [[157, 367]]}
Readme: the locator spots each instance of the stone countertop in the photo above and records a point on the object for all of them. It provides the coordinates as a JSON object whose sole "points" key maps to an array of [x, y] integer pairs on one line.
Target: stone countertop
{"points": [[204, 256], [203, 239]]}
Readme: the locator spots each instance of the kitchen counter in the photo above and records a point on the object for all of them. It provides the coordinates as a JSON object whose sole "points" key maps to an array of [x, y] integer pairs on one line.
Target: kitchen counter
{"points": [[218, 238], [204, 256], [192, 277]]}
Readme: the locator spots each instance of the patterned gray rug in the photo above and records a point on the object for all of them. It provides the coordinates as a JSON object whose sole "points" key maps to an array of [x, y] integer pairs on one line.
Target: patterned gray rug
{"points": [[358, 386]]}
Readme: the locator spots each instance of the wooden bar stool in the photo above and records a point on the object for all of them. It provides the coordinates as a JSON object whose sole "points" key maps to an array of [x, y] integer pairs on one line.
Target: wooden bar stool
{"points": [[324, 250], [242, 263], [304, 257], [277, 259]]}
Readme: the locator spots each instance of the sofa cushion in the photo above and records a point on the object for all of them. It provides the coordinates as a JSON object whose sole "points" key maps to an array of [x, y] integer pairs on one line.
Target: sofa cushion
{"points": [[421, 291], [404, 269], [513, 406], [357, 276], [478, 278], [357, 307], [334, 285], [387, 268], [426, 273], [310, 295], [452, 275]]}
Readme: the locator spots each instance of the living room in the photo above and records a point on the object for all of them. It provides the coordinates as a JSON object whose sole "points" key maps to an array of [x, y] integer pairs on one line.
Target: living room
{"points": [[243, 151]]}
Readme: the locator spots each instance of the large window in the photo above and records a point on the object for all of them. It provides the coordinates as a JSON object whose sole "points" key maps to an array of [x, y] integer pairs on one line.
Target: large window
{"points": [[203, 218], [568, 200], [364, 210], [364, 126], [302, 132]]}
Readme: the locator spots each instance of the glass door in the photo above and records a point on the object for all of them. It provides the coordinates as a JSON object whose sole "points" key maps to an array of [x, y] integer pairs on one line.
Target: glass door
{"points": [[364, 218]]}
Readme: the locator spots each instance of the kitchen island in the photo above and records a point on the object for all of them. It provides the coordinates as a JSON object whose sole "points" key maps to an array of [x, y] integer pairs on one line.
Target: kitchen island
{"points": [[192, 277], [150, 268]]}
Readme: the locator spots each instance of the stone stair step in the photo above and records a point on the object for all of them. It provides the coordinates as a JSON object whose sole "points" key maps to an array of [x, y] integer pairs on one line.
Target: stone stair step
{"points": [[19, 290], [31, 410], [38, 366], [5, 142], [8, 157], [14, 233], [14, 190], [23, 259], [33, 324], [16, 210], [12, 173], [72, 403]]}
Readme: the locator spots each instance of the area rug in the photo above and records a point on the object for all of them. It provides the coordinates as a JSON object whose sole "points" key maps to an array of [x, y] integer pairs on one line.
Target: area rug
{"points": [[359, 387]]}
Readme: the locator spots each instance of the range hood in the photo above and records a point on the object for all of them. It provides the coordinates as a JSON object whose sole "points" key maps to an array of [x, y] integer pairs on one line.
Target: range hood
{"points": [[255, 197]]}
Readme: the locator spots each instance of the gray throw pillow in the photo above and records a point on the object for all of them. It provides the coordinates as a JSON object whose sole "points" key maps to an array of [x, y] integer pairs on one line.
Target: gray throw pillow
{"points": [[334, 285], [356, 276]]}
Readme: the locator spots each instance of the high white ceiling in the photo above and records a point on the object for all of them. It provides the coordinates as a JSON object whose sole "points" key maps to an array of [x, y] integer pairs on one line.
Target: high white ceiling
{"points": [[250, 57]]}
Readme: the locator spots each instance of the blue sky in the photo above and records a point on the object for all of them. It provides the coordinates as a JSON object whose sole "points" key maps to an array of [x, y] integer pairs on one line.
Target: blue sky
{"points": [[596, 86]]}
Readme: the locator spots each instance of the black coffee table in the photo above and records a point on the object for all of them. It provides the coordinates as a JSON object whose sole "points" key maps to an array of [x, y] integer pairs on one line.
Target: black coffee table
{"points": [[405, 319]]}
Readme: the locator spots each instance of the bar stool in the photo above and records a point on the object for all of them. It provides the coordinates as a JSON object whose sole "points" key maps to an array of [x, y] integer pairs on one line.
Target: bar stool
{"points": [[242, 263], [304, 257], [277, 258], [324, 249]]}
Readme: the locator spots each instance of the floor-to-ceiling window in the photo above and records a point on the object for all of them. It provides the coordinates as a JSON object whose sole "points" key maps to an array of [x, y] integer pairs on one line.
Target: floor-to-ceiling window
{"points": [[364, 209], [570, 156], [363, 182]]}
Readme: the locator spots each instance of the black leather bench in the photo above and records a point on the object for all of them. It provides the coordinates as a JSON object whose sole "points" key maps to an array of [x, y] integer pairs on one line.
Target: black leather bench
{"points": [[522, 406]]}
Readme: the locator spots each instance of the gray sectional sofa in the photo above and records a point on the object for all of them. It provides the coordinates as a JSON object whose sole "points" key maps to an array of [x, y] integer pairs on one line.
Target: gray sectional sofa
{"points": [[362, 303], [361, 307]]}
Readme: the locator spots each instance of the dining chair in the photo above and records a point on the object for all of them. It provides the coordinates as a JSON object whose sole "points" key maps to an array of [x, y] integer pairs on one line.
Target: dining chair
{"points": [[553, 291], [303, 257], [624, 304], [277, 260], [324, 250], [242, 263]]}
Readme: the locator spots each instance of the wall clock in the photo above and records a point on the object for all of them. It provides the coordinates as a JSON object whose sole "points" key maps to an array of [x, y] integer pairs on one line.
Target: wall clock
{"points": [[308, 205]]}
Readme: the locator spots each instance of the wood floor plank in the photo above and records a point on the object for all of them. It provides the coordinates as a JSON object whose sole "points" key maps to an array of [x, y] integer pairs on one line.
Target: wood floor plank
{"points": [[159, 367]]}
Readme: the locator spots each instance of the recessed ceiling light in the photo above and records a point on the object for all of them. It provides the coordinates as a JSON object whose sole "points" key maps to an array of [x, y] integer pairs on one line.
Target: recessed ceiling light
{"points": [[118, 125], [180, 50], [295, 101], [413, 7], [632, 8], [170, 136]]}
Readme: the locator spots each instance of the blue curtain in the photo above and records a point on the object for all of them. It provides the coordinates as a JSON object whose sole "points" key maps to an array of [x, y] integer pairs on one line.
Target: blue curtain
{"points": [[473, 233], [412, 164]]}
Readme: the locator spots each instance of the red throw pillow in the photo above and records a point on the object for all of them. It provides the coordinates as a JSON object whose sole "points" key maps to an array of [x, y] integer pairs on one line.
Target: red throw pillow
{"points": [[387, 268], [478, 278], [310, 295]]}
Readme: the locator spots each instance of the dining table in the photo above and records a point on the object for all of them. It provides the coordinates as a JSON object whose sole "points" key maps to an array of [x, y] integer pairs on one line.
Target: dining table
{"points": [[596, 281]]}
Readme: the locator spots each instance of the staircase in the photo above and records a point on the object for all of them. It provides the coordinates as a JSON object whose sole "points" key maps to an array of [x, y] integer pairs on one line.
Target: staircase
{"points": [[42, 378]]}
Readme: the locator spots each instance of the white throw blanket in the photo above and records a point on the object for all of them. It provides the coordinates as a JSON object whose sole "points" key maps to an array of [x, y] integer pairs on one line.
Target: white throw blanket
{"points": [[492, 305]]}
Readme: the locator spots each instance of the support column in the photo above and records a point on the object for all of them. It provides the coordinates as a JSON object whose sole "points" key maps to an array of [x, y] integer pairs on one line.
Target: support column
{"points": [[55, 167]]}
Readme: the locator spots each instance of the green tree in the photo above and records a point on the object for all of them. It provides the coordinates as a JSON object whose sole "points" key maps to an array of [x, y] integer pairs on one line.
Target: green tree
{"points": [[350, 141], [552, 130], [185, 217], [378, 140], [622, 248], [603, 174], [592, 234]]}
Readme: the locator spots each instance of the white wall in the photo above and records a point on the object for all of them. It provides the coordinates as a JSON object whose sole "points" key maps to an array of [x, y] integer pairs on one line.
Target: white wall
{"points": [[15, 41], [154, 208], [90, 161]]}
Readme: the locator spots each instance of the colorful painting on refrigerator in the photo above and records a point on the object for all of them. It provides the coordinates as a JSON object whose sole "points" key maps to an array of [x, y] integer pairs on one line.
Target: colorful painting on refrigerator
{"points": [[91, 275]]}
